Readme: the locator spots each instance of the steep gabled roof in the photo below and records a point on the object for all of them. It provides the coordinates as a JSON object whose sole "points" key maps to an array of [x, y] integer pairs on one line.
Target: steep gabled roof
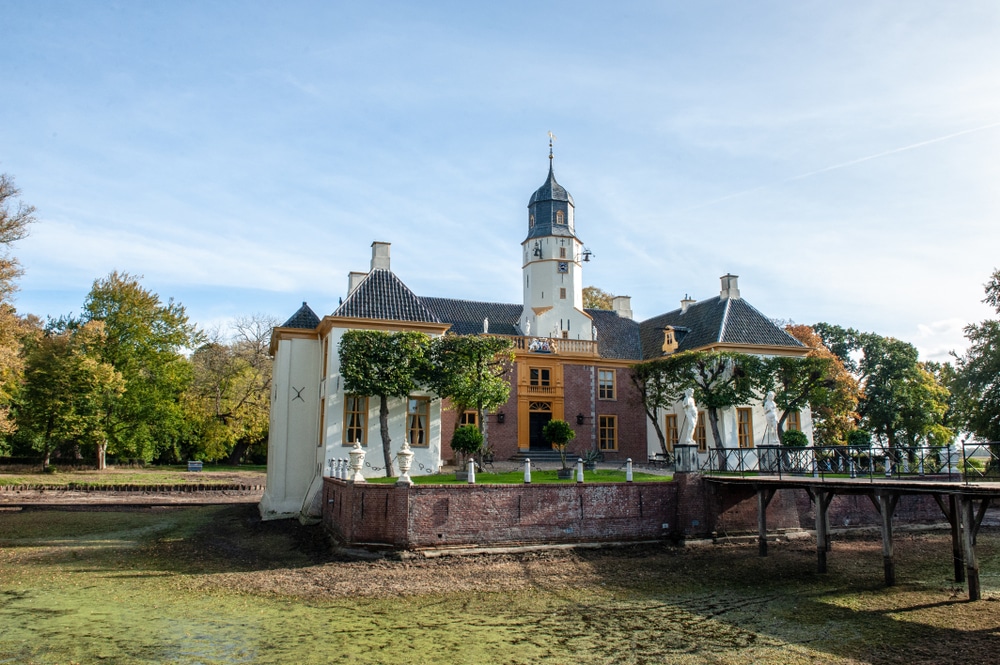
{"points": [[713, 321], [466, 316], [304, 318], [381, 295], [617, 337]]}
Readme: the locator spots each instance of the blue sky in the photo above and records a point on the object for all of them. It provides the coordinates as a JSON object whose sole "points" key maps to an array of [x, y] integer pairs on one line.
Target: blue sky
{"points": [[842, 158]]}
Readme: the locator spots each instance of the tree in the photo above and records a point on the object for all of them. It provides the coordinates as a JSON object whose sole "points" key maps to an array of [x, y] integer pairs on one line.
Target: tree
{"points": [[819, 381], [67, 390], [833, 407], [902, 403], [382, 364], [15, 217], [228, 401], [720, 379], [143, 341], [559, 434], [660, 384], [723, 379], [976, 379], [596, 298], [471, 371]]}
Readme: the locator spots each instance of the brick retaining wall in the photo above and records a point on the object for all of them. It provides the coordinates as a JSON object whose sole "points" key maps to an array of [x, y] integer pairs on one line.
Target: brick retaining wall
{"points": [[448, 515]]}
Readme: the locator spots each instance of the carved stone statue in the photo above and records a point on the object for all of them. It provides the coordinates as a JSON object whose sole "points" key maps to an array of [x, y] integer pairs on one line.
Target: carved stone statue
{"points": [[690, 418], [527, 328], [486, 325], [771, 420]]}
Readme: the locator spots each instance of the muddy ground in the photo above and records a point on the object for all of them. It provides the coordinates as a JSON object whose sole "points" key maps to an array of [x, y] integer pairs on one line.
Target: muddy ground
{"points": [[250, 591]]}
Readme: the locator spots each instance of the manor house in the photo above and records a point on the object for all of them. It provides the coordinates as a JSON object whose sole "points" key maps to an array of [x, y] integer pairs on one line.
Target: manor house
{"points": [[571, 363]]}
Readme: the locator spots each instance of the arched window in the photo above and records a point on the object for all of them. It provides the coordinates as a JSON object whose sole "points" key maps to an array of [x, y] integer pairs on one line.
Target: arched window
{"points": [[531, 221], [560, 218]]}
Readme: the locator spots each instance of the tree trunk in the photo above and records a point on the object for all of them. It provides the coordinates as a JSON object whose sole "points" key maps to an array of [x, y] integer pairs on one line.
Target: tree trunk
{"points": [[720, 451], [239, 450], [383, 422]]}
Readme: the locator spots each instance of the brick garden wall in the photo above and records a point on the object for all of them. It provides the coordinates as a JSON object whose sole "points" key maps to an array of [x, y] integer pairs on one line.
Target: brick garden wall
{"points": [[449, 515]]}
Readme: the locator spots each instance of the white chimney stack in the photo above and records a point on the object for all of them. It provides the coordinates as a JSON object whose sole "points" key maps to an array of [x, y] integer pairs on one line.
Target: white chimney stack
{"points": [[354, 279], [687, 302], [730, 289], [622, 306], [380, 255]]}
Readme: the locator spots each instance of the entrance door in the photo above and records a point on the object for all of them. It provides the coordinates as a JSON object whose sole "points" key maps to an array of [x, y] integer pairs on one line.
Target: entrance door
{"points": [[536, 421]]}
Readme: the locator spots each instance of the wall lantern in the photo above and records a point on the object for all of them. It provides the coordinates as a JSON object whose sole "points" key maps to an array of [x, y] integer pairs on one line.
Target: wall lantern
{"points": [[501, 416], [580, 418]]}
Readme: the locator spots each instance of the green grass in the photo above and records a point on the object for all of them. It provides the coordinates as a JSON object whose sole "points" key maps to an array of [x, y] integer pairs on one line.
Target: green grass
{"points": [[537, 477], [158, 475]]}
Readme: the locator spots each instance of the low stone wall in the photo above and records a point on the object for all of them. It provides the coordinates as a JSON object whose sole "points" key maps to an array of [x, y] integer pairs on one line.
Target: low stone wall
{"points": [[425, 516]]}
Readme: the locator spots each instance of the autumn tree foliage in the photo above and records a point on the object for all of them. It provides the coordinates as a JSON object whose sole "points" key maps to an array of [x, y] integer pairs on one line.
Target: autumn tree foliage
{"points": [[597, 298], [822, 382], [227, 403], [15, 217]]}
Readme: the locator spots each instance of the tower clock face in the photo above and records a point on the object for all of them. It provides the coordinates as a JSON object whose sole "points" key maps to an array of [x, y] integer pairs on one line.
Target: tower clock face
{"points": [[563, 266]]}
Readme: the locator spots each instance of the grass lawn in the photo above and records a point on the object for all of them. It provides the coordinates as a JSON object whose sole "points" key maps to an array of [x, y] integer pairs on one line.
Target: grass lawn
{"points": [[537, 477], [153, 475]]}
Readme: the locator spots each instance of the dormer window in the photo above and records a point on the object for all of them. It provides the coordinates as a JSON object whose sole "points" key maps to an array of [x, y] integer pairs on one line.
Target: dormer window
{"points": [[560, 217], [669, 340]]}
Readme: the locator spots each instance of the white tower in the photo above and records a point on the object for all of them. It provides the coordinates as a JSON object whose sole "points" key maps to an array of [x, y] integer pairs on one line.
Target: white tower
{"points": [[553, 276]]}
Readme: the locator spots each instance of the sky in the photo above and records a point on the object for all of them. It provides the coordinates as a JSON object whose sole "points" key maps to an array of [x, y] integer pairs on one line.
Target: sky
{"points": [[841, 158]]}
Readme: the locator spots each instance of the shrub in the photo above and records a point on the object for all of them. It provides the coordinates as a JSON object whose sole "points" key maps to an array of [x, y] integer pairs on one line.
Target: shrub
{"points": [[859, 438], [795, 438], [467, 440], [559, 433]]}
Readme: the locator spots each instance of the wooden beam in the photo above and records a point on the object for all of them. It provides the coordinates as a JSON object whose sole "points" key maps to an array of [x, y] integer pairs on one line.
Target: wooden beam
{"points": [[822, 524], [764, 497], [969, 545], [956, 539], [888, 562]]}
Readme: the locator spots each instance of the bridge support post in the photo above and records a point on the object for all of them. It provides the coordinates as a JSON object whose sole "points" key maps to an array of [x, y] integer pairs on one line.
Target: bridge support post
{"points": [[886, 507], [763, 498], [969, 545], [956, 538], [822, 529]]}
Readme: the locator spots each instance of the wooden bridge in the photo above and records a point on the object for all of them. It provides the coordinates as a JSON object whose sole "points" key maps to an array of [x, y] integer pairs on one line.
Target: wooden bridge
{"points": [[964, 505]]}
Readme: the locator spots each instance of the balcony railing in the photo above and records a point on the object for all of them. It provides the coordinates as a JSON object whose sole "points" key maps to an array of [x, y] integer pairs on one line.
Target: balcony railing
{"points": [[554, 346]]}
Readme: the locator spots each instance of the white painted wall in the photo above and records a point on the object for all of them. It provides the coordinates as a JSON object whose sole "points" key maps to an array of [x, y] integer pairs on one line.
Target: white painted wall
{"points": [[292, 438]]}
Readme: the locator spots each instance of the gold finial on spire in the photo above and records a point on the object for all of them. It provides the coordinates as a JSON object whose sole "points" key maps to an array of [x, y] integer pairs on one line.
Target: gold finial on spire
{"points": [[552, 137]]}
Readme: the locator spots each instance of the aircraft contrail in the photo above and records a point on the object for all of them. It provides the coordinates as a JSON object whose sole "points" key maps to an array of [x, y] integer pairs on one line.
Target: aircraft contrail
{"points": [[842, 165]]}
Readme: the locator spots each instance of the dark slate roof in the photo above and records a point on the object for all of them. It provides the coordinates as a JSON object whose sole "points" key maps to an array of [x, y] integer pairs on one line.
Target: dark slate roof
{"points": [[304, 318], [381, 295], [466, 316], [550, 190], [617, 337], [729, 320]]}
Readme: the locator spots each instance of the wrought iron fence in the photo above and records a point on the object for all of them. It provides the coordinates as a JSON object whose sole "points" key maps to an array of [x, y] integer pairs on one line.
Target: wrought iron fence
{"points": [[969, 462]]}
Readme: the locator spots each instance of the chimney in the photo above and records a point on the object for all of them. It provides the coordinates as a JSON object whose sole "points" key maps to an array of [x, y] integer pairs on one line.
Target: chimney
{"points": [[729, 287], [687, 302], [380, 255], [622, 306], [353, 279]]}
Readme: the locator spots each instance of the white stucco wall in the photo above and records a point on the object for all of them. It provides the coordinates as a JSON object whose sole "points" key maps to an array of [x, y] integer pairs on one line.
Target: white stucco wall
{"points": [[292, 438]]}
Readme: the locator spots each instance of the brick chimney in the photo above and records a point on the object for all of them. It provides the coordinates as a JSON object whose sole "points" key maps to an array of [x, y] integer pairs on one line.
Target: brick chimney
{"points": [[730, 289], [380, 255], [622, 305]]}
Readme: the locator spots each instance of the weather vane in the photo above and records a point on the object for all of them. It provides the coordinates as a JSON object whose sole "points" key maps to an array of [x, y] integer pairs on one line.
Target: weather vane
{"points": [[552, 137]]}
